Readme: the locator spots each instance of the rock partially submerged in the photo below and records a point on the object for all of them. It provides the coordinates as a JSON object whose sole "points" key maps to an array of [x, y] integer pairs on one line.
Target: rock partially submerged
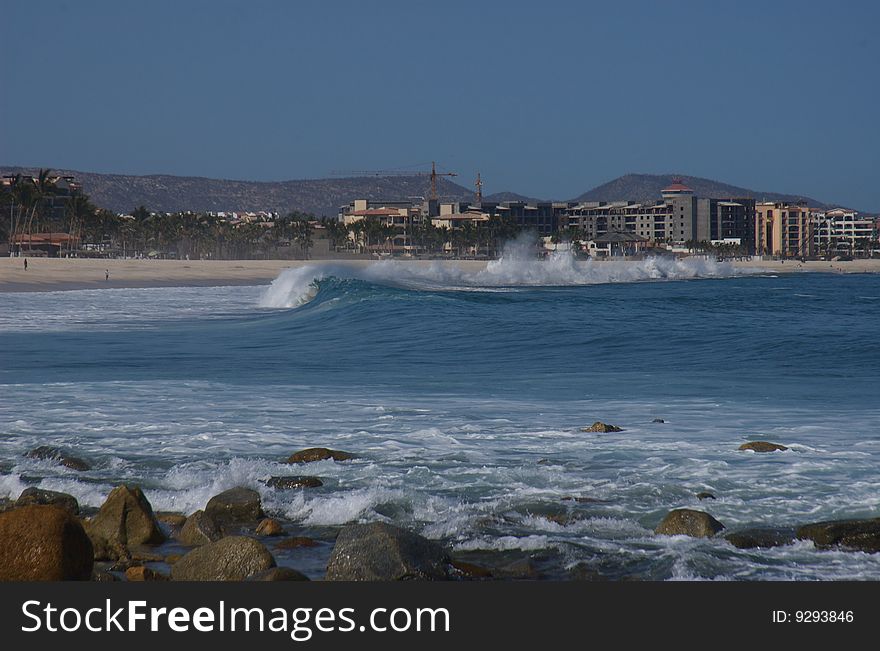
{"points": [[143, 573], [43, 543], [294, 481], [762, 446], [199, 529], [49, 453], [41, 496], [604, 428], [760, 537], [269, 527], [860, 535], [237, 506], [382, 552], [319, 454], [125, 520], [230, 559], [295, 542], [705, 495], [688, 522]]}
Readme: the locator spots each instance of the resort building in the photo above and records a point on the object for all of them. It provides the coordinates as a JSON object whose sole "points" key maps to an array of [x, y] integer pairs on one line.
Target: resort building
{"points": [[784, 230], [840, 231]]}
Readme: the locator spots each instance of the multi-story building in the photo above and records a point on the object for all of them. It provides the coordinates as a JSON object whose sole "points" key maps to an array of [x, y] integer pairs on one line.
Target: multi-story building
{"points": [[783, 229], [841, 231]]}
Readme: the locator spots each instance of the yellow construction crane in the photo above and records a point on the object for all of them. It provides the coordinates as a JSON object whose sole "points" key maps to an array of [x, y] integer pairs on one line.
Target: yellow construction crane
{"points": [[434, 174]]}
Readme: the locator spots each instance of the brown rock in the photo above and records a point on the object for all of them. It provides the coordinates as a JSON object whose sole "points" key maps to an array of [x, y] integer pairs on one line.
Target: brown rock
{"points": [[269, 527], [861, 535], [762, 446], [142, 573], [45, 452], [41, 496], [319, 454], [237, 506], [125, 520], [599, 426], [760, 537], [230, 559], [43, 543], [296, 542], [470, 570], [199, 529], [173, 520], [688, 522]]}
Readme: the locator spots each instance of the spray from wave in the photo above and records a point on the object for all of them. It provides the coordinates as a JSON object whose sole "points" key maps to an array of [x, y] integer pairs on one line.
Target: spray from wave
{"points": [[518, 266]]}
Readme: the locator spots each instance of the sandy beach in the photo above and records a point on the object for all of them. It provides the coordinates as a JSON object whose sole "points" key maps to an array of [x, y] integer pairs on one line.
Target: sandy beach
{"points": [[57, 274]]}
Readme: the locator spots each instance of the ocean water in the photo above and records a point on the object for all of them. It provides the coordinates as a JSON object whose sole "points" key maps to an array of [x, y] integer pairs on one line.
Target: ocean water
{"points": [[463, 395]]}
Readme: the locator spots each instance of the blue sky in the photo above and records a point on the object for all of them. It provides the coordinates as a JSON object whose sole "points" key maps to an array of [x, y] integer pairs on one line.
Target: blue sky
{"points": [[543, 98]]}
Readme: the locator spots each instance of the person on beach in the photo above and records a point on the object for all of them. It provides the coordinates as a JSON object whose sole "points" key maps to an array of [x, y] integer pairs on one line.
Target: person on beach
{"points": [[106, 274], [25, 264]]}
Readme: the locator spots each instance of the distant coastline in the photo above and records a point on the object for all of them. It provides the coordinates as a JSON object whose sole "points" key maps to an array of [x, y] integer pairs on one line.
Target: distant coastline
{"points": [[61, 274]]}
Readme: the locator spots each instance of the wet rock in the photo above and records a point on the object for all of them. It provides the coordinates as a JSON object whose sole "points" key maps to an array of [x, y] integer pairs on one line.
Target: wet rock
{"points": [[125, 520], [658, 420], [599, 426], [860, 535], [319, 454], [705, 496], [544, 462], [279, 574], [6, 504], [296, 542], [520, 569], [294, 481], [41, 496], [49, 453], [762, 446], [382, 552], [230, 559], [235, 507], [688, 522], [173, 520], [142, 573], [270, 527], [199, 529], [467, 570], [43, 543], [760, 537]]}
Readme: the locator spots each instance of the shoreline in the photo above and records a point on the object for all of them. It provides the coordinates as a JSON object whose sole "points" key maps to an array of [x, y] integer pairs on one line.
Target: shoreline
{"points": [[67, 274]]}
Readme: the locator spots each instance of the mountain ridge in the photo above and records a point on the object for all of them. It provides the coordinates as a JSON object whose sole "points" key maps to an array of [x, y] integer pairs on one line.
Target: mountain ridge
{"points": [[323, 197]]}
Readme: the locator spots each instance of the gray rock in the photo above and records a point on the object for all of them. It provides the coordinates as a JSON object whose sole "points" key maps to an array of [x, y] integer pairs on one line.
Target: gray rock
{"points": [[230, 559], [235, 507], [861, 535], [688, 522], [40, 496], [199, 529], [382, 552]]}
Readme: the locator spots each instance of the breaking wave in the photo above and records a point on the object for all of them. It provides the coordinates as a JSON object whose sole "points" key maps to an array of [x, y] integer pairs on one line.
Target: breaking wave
{"points": [[297, 286]]}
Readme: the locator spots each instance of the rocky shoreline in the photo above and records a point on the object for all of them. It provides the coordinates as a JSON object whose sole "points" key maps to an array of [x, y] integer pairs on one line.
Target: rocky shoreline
{"points": [[46, 536]]}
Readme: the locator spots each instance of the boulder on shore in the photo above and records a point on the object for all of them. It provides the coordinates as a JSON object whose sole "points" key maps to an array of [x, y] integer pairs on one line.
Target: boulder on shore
{"points": [[43, 543], [40, 496], [237, 506], [382, 552], [293, 481], [762, 446], [319, 454], [199, 529], [49, 453], [125, 520], [604, 428], [688, 522], [760, 537], [230, 559], [860, 535]]}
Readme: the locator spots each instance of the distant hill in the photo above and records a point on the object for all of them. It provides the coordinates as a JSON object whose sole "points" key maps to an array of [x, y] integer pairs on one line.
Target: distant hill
{"points": [[161, 192], [647, 187]]}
